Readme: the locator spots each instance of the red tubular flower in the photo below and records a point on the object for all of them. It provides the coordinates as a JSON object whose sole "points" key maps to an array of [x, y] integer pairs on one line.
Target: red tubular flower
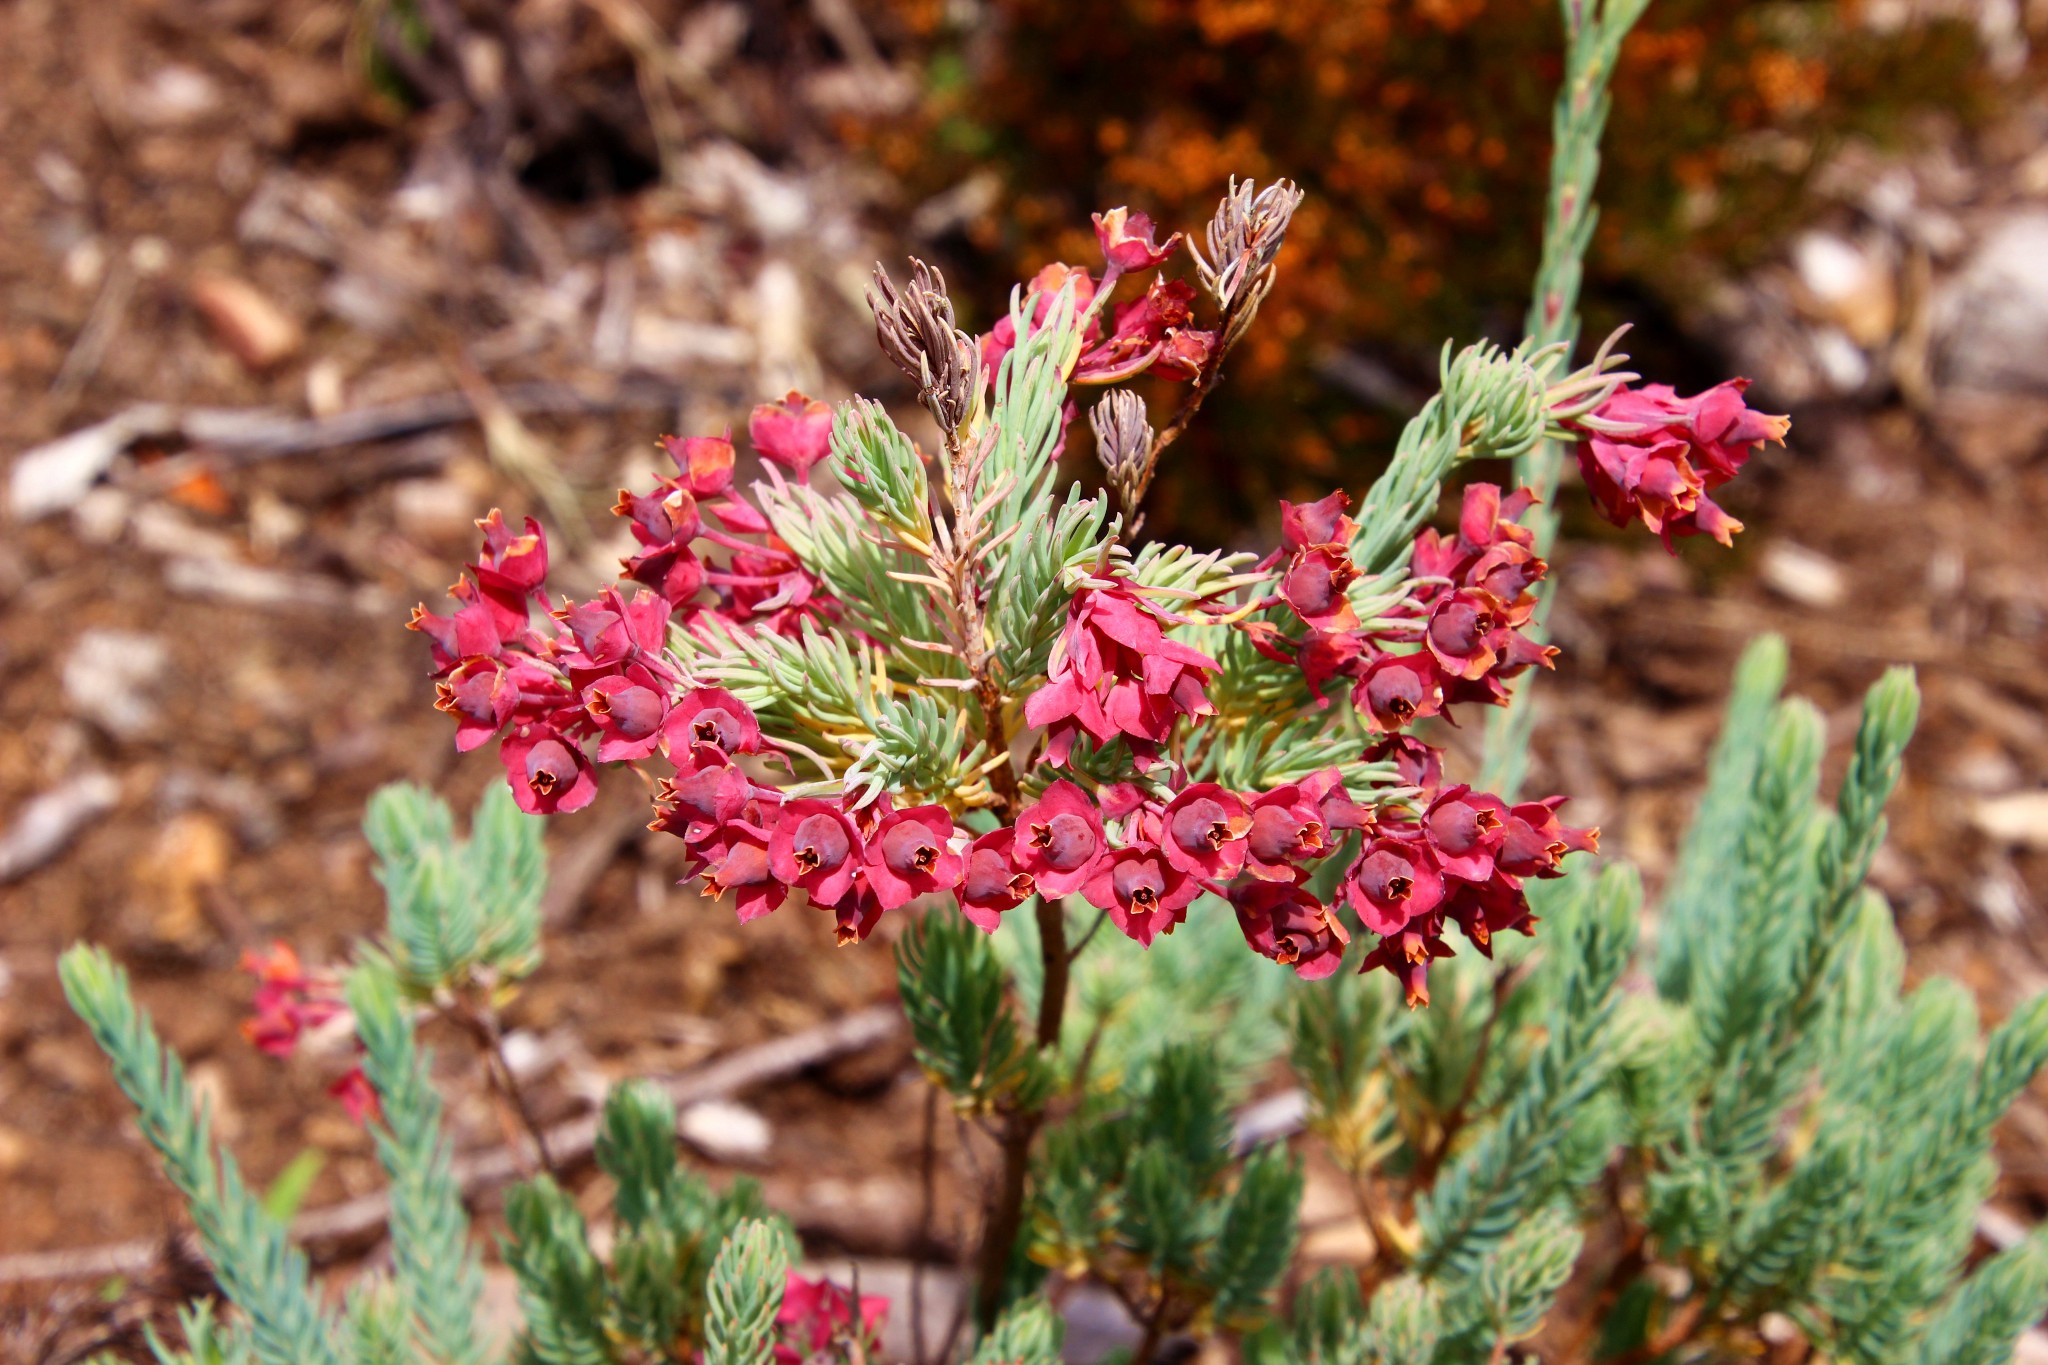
{"points": [[1407, 955], [481, 696], [714, 718], [1059, 840], [816, 847], [1314, 587], [1464, 833], [854, 914], [705, 462], [1324, 656], [1416, 764], [1321, 522], [736, 858], [1340, 813], [664, 522], [1203, 831], [356, 1095], [1287, 829], [702, 797], [289, 999], [1185, 354], [1144, 328], [1284, 922], [1392, 884], [1114, 672], [469, 632], [1046, 285], [795, 433], [611, 630], [1127, 241], [628, 710], [1465, 633], [550, 774], [990, 886], [772, 587], [1145, 895], [1533, 842], [1483, 909], [910, 855], [1647, 453], [816, 1313], [1398, 690], [511, 569], [667, 516]]}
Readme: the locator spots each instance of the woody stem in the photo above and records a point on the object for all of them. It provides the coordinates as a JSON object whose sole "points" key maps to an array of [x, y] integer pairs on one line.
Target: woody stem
{"points": [[999, 1237], [481, 1023]]}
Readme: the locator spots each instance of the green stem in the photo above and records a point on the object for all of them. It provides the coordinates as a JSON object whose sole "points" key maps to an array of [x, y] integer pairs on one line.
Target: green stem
{"points": [[1593, 36]]}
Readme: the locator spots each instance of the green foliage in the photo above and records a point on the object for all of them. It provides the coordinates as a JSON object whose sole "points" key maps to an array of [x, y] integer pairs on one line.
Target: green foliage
{"points": [[1513, 1167], [1800, 1139], [745, 1292], [1154, 1187], [561, 1281], [968, 1040], [1194, 986], [1701, 896], [459, 912], [1029, 599], [1029, 1334], [1490, 406], [655, 1298], [834, 538], [435, 1271], [256, 1264], [881, 468], [208, 1341]]}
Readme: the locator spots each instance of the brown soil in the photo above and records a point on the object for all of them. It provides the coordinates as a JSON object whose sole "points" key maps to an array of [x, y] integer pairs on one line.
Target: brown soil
{"points": [[240, 800]]}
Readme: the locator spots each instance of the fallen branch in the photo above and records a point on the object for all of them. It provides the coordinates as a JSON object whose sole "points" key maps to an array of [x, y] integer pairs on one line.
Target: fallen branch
{"points": [[570, 1142], [52, 477]]}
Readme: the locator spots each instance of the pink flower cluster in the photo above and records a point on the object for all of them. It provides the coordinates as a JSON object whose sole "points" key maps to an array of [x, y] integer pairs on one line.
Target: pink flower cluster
{"points": [[552, 678], [1647, 453], [817, 1320], [1149, 333], [1463, 621], [1139, 858], [292, 1002], [1115, 675], [750, 839]]}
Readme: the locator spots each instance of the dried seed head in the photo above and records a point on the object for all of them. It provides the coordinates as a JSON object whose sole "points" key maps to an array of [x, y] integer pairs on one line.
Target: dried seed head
{"points": [[1123, 442], [917, 332], [1244, 238]]}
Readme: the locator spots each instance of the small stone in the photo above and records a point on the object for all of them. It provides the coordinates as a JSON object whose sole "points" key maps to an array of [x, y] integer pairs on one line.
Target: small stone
{"points": [[172, 95], [1804, 576], [109, 677], [1847, 284], [1980, 764], [259, 333], [434, 509], [326, 387], [1990, 321], [48, 823], [726, 1131], [188, 862], [2020, 819]]}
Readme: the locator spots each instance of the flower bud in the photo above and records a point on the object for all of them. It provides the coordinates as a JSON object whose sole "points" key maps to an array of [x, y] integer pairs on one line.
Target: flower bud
{"points": [[917, 332], [1123, 442]]}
